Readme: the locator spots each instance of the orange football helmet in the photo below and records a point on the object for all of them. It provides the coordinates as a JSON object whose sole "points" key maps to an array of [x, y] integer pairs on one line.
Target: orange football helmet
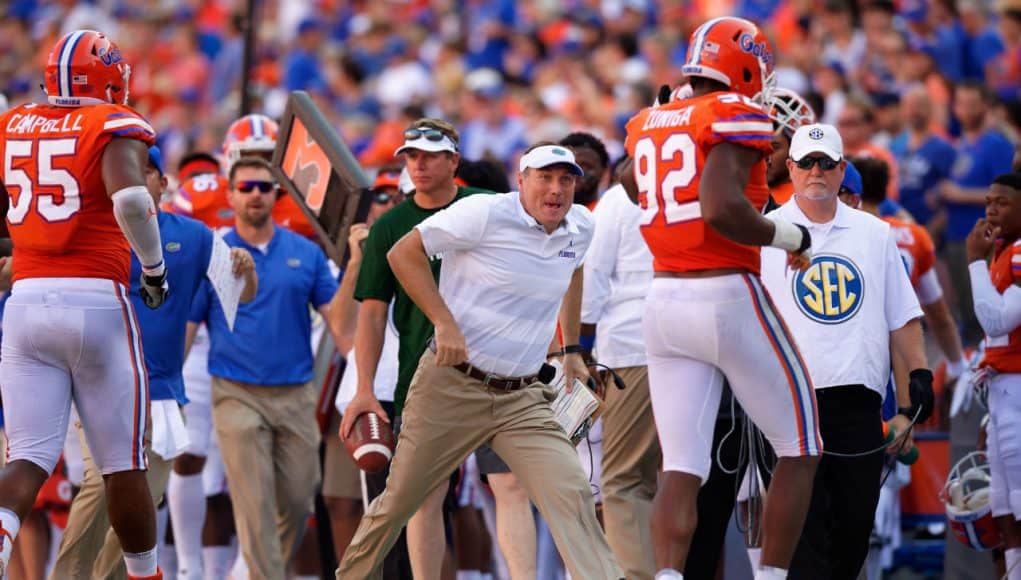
{"points": [[735, 52], [86, 68], [789, 111], [966, 496], [250, 134]]}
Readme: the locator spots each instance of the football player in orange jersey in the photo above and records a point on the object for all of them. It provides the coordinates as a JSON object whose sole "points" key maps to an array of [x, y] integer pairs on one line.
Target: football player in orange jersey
{"points": [[919, 255], [204, 197], [788, 112], [256, 135], [998, 309], [700, 178], [74, 181]]}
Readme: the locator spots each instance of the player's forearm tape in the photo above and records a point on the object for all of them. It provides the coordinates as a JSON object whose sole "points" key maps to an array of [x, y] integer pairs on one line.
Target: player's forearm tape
{"points": [[997, 313], [790, 237], [136, 215]]}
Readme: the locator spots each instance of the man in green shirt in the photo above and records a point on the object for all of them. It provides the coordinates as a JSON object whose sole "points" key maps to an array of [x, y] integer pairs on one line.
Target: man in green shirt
{"points": [[431, 155]]}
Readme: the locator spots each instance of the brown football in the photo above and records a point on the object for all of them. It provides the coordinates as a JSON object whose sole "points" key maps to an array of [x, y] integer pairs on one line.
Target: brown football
{"points": [[370, 443]]}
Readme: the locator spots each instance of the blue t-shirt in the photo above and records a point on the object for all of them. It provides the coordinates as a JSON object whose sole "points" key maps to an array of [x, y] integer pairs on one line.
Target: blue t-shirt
{"points": [[981, 48], [302, 72], [920, 170], [271, 342], [484, 51], [977, 164], [951, 45], [187, 244]]}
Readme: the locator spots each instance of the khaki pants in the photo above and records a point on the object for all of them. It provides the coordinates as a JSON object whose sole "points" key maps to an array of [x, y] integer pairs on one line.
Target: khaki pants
{"points": [[269, 439], [90, 548], [447, 416], [341, 477], [631, 463]]}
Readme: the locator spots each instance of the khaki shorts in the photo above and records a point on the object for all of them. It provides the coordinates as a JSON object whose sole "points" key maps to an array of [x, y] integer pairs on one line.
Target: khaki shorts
{"points": [[340, 474]]}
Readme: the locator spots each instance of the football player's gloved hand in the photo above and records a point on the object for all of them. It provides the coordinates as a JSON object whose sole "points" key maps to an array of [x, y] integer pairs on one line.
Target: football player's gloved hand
{"points": [[663, 97], [154, 289], [922, 397]]}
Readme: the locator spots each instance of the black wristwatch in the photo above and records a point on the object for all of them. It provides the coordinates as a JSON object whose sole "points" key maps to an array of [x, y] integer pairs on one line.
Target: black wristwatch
{"points": [[908, 412]]}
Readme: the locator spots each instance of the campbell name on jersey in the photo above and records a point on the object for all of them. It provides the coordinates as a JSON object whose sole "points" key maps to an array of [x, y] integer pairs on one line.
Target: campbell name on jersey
{"points": [[60, 215]]}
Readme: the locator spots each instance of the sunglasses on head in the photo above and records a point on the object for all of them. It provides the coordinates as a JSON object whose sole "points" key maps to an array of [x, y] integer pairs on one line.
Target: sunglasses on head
{"points": [[825, 163], [262, 186], [427, 132]]}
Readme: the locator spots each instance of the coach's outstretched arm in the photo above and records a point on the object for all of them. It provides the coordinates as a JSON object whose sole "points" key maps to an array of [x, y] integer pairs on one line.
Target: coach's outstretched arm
{"points": [[410, 264], [123, 174]]}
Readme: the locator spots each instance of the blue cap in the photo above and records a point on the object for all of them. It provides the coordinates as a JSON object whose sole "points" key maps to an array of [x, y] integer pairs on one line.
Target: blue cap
{"points": [[308, 24], [156, 159], [852, 180], [837, 67]]}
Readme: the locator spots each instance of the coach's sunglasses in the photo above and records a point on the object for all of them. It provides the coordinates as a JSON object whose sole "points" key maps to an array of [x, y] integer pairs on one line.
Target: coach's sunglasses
{"points": [[825, 163], [262, 186], [427, 132]]}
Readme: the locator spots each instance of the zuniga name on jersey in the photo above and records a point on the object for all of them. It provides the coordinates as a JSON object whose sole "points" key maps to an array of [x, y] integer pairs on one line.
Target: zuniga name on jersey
{"points": [[38, 124], [659, 119]]}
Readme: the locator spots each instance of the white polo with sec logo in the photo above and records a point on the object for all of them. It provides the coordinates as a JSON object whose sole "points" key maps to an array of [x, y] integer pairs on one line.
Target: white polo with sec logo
{"points": [[842, 309], [503, 277]]}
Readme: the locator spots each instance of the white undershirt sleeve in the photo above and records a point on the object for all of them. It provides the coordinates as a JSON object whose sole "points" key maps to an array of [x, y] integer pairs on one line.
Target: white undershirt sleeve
{"points": [[998, 314], [136, 216], [928, 288]]}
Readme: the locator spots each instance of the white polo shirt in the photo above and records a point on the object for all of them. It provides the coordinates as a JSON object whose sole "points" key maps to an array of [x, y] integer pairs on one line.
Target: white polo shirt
{"points": [[842, 309], [618, 272], [503, 277]]}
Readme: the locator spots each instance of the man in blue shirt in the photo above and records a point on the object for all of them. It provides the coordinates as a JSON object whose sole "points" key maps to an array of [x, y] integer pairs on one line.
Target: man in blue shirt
{"points": [[302, 71], [263, 399], [187, 245], [924, 159], [982, 154]]}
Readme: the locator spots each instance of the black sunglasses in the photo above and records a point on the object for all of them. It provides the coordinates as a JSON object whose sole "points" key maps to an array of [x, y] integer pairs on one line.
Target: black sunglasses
{"points": [[383, 198], [262, 186], [825, 163], [427, 132]]}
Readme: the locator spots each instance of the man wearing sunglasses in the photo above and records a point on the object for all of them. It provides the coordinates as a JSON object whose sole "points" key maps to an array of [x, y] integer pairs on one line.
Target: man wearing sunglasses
{"points": [[431, 154], [856, 286], [512, 262], [263, 399]]}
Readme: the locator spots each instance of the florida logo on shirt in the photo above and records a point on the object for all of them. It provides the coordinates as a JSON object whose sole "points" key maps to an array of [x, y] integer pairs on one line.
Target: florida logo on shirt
{"points": [[830, 291]]}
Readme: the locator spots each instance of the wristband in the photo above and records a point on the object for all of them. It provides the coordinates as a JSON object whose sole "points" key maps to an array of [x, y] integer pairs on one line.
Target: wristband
{"points": [[568, 349], [790, 237], [588, 341], [156, 270], [957, 368]]}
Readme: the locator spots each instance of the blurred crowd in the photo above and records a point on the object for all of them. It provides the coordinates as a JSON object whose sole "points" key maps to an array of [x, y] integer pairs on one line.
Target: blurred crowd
{"points": [[891, 75], [512, 73], [932, 87]]}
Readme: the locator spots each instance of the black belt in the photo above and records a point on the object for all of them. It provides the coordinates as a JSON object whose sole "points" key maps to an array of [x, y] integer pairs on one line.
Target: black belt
{"points": [[496, 381]]}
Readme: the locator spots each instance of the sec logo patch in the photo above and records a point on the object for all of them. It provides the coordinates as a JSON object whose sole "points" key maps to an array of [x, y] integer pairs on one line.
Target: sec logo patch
{"points": [[830, 291]]}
